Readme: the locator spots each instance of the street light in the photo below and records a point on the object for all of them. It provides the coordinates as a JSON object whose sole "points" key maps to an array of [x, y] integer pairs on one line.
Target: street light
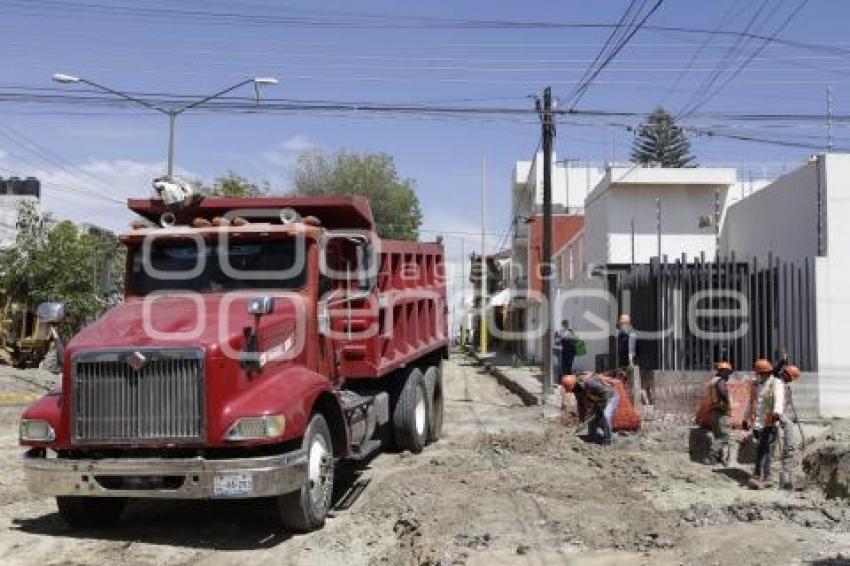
{"points": [[172, 113]]}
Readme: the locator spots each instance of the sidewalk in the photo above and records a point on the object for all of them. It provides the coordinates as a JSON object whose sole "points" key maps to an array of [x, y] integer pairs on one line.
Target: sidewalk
{"points": [[523, 380]]}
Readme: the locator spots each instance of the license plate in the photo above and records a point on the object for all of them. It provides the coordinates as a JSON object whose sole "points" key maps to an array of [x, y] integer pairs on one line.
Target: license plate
{"points": [[233, 485]]}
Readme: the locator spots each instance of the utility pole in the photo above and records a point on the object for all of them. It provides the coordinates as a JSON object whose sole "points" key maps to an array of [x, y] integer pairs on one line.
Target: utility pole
{"points": [[658, 224], [828, 118], [717, 221], [483, 266], [613, 146], [463, 329], [547, 119]]}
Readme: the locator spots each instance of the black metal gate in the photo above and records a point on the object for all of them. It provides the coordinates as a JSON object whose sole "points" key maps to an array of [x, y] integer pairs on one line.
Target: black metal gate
{"points": [[703, 311]]}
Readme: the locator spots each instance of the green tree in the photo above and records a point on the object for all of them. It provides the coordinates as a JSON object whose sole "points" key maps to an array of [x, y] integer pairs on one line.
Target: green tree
{"points": [[53, 261], [233, 185], [662, 142], [395, 205]]}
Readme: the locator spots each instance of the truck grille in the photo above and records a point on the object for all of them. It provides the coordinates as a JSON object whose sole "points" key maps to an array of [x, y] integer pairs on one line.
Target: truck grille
{"points": [[162, 400]]}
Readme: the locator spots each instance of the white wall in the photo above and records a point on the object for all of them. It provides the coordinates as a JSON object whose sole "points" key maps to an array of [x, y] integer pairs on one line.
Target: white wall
{"points": [[629, 194], [833, 314], [832, 279], [596, 228], [681, 207], [780, 219], [570, 183]]}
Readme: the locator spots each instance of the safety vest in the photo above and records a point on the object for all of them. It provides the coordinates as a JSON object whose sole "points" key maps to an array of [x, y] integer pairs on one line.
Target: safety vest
{"points": [[768, 401], [717, 402]]}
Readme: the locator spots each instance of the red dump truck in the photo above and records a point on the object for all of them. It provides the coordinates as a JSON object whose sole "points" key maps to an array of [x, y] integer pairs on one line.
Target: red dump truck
{"points": [[261, 342]]}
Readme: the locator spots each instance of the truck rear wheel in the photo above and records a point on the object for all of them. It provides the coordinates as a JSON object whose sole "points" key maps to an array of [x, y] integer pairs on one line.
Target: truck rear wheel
{"points": [[305, 509], [410, 414], [433, 376], [90, 512]]}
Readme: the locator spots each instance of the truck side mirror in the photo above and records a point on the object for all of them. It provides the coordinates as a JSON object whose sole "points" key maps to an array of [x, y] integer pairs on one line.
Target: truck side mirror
{"points": [[365, 279], [257, 306]]}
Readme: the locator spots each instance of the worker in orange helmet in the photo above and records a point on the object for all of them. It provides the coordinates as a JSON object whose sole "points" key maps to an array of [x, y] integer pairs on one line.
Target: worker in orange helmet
{"points": [[764, 411], [721, 410], [602, 399], [788, 373]]}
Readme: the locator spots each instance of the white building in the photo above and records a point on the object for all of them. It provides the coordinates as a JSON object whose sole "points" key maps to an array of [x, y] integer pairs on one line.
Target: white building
{"points": [[13, 191], [801, 215], [622, 213], [572, 180]]}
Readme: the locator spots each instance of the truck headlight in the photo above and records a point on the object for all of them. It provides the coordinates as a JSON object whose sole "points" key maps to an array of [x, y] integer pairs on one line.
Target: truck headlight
{"points": [[252, 428], [34, 430]]}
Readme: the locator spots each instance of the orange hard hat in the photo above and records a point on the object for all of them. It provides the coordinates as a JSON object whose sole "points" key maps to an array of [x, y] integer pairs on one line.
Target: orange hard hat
{"points": [[723, 365], [762, 366], [569, 382], [793, 372]]}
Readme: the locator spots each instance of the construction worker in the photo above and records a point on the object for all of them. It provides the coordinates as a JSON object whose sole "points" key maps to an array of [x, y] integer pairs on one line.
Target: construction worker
{"points": [[788, 373], [626, 342], [767, 401], [601, 399], [721, 410]]}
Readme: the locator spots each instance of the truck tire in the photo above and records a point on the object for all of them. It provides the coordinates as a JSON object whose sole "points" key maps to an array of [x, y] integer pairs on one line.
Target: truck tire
{"points": [[410, 414], [305, 509], [90, 512], [434, 378]]}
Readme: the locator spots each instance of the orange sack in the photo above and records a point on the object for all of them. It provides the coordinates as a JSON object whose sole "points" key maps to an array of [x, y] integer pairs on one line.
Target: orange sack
{"points": [[739, 396], [625, 417]]}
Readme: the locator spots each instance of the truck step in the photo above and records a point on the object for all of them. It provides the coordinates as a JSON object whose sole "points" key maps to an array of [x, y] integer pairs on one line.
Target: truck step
{"points": [[364, 452]]}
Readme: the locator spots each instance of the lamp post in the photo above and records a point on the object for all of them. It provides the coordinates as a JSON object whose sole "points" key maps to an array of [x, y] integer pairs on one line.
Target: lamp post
{"points": [[172, 112]]}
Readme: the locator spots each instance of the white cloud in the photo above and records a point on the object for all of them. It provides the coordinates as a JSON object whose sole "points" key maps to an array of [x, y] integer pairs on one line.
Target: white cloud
{"points": [[97, 191], [285, 153]]}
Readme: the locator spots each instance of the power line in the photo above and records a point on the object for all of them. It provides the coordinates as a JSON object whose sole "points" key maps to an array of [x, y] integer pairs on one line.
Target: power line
{"points": [[710, 94], [703, 46], [579, 91], [352, 20]]}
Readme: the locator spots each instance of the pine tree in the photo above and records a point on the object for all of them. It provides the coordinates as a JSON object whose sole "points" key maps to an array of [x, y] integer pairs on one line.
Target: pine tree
{"points": [[662, 142]]}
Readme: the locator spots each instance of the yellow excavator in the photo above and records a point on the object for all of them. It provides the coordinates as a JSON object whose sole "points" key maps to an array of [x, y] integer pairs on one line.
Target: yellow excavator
{"points": [[25, 338]]}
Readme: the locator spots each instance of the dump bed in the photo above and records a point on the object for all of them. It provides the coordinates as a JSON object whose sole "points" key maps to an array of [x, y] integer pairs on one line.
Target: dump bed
{"points": [[412, 312]]}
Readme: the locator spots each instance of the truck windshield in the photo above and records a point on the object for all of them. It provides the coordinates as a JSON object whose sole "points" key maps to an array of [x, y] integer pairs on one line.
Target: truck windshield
{"points": [[179, 266]]}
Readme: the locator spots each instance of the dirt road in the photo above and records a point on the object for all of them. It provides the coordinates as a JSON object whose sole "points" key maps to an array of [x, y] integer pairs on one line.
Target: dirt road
{"points": [[503, 486]]}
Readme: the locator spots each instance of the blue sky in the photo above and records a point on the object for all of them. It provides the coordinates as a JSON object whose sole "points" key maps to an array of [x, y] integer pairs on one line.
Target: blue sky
{"points": [[156, 52]]}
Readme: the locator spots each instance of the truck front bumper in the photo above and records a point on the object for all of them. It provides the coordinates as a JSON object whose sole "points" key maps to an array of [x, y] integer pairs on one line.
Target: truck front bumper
{"points": [[178, 478]]}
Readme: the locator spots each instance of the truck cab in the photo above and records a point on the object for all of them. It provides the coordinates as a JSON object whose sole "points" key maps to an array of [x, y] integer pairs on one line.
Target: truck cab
{"points": [[260, 343]]}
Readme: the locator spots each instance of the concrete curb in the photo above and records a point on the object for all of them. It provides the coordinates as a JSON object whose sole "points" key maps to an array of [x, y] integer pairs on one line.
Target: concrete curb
{"points": [[521, 390]]}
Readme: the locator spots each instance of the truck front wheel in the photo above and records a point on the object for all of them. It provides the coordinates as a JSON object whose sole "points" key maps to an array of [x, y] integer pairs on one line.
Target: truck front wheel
{"points": [[305, 510], [410, 415], [90, 512]]}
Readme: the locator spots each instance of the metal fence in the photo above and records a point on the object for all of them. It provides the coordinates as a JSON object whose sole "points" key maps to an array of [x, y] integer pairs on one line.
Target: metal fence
{"points": [[703, 311]]}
